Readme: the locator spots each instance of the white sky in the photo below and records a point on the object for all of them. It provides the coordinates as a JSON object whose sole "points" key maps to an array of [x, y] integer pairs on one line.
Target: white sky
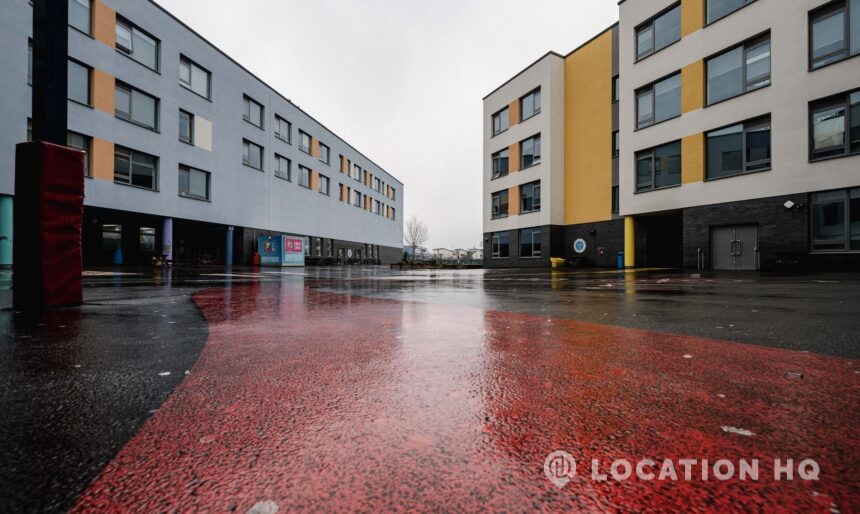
{"points": [[401, 80]]}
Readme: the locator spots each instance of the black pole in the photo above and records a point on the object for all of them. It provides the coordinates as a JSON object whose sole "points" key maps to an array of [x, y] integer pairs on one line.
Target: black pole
{"points": [[50, 70]]}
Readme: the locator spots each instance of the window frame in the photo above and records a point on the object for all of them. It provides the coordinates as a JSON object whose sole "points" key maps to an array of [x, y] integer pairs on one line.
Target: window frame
{"points": [[616, 144], [496, 244], [302, 170], [190, 127], [709, 21], [279, 121], [531, 94], [507, 110], [616, 200], [651, 24], [497, 157], [653, 152], [249, 101], [535, 162], [251, 145], [129, 52], [616, 88], [532, 231], [130, 119], [302, 147], [279, 172], [652, 90], [830, 102], [324, 179], [326, 153], [183, 168], [89, 71], [846, 206], [496, 210], [88, 151], [90, 17], [130, 155], [746, 46], [747, 126], [535, 198], [183, 59]]}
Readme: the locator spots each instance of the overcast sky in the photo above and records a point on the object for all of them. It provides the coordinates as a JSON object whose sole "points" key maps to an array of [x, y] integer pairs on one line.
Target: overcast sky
{"points": [[401, 80]]}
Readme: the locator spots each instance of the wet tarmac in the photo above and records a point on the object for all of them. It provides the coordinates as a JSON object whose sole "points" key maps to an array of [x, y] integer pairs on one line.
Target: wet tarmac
{"points": [[363, 389]]}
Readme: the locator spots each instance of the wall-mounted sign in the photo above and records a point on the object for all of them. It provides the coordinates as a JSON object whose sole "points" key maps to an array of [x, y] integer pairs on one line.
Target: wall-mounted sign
{"points": [[579, 245], [281, 251]]}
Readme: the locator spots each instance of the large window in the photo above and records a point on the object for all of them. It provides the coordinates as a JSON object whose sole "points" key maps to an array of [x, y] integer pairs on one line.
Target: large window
{"points": [[111, 237], [500, 204], [719, 8], [304, 177], [146, 239], [616, 201], [530, 105], [136, 106], [501, 121], [193, 183], [530, 152], [325, 153], [252, 154], [834, 32], [836, 221], [616, 89], [501, 245], [84, 144], [186, 127], [355, 198], [193, 77], [324, 185], [530, 242], [253, 111], [659, 101], [500, 163], [616, 148], [135, 168], [80, 15], [283, 168], [137, 44], [741, 148], [355, 172], [79, 83], [658, 167], [283, 129], [304, 142], [530, 197], [658, 32], [835, 126], [740, 70]]}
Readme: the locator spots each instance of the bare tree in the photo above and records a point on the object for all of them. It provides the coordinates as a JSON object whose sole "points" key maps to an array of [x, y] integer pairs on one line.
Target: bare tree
{"points": [[416, 235]]}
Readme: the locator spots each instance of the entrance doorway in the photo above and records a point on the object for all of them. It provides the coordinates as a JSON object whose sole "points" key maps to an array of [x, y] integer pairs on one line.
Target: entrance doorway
{"points": [[734, 247]]}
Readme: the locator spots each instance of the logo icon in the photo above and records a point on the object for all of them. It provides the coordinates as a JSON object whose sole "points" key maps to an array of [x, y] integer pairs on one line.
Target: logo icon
{"points": [[579, 245], [559, 467]]}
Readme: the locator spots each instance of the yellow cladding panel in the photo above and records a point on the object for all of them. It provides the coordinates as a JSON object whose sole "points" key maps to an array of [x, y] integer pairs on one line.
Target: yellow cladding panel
{"points": [[514, 200], [692, 16], [514, 157], [514, 113], [104, 23], [102, 159], [693, 86], [315, 180], [104, 92], [693, 158], [588, 132], [315, 147]]}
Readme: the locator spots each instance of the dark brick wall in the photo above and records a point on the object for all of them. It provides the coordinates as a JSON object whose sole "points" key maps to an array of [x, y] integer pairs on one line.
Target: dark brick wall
{"points": [[608, 235], [552, 241]]}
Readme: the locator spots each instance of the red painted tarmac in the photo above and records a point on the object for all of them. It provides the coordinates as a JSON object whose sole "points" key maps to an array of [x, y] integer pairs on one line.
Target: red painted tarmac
{"points": [[324, 402]]}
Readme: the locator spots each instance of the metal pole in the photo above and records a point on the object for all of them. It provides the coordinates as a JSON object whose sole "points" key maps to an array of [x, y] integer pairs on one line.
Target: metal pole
{"points": [[50, 70]]}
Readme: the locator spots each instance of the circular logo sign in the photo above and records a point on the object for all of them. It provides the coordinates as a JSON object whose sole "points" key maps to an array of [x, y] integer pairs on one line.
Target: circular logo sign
{"points": [[579, 245]]}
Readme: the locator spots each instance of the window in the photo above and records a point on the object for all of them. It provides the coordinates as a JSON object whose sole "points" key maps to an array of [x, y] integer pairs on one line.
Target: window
{"points": [[355, 172], [82, 143], [835, 126], [659, 167], [193, 183], [253, 113], [393, 213], [193, 77], [186, 127], [530, 197], [500, 204], [720, 8], [377, 185], [740, 70], [616, 89], [304, 142], [146, 239], [111, 237], [252, 155], [616, 200], [834, 32], [616, 149], [283, 168], [79, 83], [377, 207], [530, 152], [500, 163], [530, 105], [325, 153], [304, 177], [30, 61], [328, 247], [80, 16], [658, 32], [393, 194], [530, 242], [659, 101], [137, 44], [501, 121], [135, 168], [136, 106], [283, 129], [501, 243], [836, 221], [324, 185], [741, 148], [355, 198]]}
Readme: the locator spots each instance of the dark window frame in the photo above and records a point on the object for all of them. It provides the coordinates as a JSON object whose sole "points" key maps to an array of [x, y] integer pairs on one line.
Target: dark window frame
{"points": [[506, 110], [248, 100], [653, 151], [616, 144], [130, 183], [747, 45], [533, 254], [652, 90], [496, 245], [327, 153], [129, 52], [616, 88], [302, 147], [190, 140], [247, 162], [535, 162], [616, 200], [828, 103], [88, 151], [531, 94], [184, 59], [823, 12], [279, 172], [496, 204], [650, 24], [310, 173], [497, 157], [709, 21], [90, 12], [327, 180], [747, 126], [535, 198], [183, 168], [89, 70], [130, 118], [279, 120], [846, 241]]}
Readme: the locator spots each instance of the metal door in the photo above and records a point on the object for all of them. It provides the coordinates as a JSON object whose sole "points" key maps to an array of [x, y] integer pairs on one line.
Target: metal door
{"points": [[734, 247]]}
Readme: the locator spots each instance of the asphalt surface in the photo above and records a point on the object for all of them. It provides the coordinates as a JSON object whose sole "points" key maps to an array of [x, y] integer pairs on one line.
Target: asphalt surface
{"points": [[369, 390]]}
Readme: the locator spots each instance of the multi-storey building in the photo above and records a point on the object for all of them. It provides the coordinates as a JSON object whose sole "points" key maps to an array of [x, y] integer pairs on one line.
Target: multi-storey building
{"points": [[738, 141], [186, 150]]}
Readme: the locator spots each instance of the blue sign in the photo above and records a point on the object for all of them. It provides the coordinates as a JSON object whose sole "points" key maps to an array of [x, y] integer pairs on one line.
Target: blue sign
{"points": [[579, 245], [281, 250], [269, 248]]}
